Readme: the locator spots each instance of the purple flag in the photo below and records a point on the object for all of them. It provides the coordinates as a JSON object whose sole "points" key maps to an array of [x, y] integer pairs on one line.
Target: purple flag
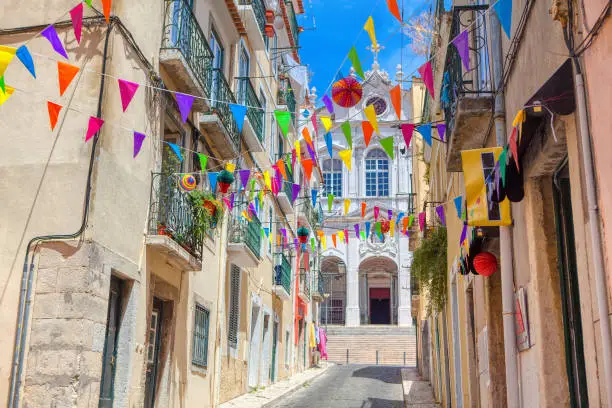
{"points": [[390, 213], [440, 212], [357, 230], [138, 139], [328, 103], [295, 191], [184, 103], [244, 177], [312, 154], [284, 232], [441, 130], [461, 43], [231, 200], [50, 34], [296, 243], [463, 234], [252, 209]]}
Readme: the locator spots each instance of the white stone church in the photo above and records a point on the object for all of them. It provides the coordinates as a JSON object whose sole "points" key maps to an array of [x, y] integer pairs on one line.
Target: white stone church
{"points": [[367, 282]]}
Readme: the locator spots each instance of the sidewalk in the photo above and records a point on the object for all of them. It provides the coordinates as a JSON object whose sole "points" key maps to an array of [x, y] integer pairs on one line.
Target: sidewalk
{"points": [[265, 397], [417, 393]]}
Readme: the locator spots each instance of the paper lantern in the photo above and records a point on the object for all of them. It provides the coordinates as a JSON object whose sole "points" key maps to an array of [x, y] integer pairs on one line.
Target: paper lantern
{"points": [[269, 30], [385, 226], [347, 92], [224, 181], [303, 234], [187, 182], [270, 16], [485, 263]]}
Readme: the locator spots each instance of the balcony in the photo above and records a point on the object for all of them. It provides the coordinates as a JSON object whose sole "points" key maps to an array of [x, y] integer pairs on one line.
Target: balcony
{"points": [[171, 229], [282, 277], [244, 239], [467, 97], [219, 123], [286, 97], [304, 286], [253, 130], [293, 24], [309, 215], [285, 195], [253, 14], [185, 54], [318, 293]]}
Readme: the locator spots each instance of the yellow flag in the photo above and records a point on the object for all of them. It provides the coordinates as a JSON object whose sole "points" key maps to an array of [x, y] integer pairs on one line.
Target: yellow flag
{"points": [[260, 196], [369, 27], [6, 56], [6, 95], [297, 151], [267, 179], [324, 242], [346, 156], [392, 227], [347, 204], [327, 122], [371, 115], [230, 167], [341, 235], [519, 118]]}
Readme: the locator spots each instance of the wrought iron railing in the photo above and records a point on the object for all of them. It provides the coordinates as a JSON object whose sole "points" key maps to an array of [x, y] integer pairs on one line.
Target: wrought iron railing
{"points": [[458, 82], [305, 283], [221, 95], [259, 8], [183, 34], [293, 24], [243, 231], [288, 184], [171, 214], [332, 314], [286, 97], [319, 283], [248, 97], [282, 275], [313, 215]]}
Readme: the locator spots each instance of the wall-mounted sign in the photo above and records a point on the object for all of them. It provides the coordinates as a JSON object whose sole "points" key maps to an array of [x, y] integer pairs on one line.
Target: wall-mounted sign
{"points": [[521, 320]]}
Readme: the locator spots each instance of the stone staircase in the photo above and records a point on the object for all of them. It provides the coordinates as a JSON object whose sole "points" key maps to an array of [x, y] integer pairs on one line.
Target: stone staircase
{"points": [[383, 345]]}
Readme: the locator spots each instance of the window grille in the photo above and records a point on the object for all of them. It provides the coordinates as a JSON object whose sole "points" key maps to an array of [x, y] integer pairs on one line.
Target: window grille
{"points": [[234, 312], [200, 336]]}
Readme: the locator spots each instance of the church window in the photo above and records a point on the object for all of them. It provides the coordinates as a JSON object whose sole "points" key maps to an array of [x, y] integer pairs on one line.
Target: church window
{"points": [[332, 176], [380, 105], [377, 174]]}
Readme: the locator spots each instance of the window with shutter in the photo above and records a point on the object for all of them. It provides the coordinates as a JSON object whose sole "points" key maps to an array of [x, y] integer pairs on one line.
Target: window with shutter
{"points": [[200, 336], [234, 309]]}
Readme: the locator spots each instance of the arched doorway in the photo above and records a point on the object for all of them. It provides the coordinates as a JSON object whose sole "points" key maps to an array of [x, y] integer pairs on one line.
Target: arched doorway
{"points": [[334, 276], [378, 294]]}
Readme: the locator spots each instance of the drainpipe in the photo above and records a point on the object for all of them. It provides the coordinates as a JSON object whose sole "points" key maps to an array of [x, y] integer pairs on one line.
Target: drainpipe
{"points": [[505, 233], [601, 286]]}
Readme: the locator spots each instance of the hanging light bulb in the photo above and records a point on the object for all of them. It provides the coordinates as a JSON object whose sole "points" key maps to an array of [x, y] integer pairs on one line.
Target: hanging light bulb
{"points": [[279, 23]]}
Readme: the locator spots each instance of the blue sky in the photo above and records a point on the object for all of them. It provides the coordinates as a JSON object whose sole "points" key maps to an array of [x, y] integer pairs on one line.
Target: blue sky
{"points": [[339, 22]]}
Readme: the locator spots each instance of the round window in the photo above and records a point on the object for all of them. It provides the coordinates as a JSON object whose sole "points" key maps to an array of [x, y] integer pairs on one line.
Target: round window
{"points": [[380, 105]]}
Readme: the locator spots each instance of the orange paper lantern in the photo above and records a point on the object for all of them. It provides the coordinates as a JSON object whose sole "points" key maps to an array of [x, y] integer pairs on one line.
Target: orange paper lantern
{"points": [[485, 263]]}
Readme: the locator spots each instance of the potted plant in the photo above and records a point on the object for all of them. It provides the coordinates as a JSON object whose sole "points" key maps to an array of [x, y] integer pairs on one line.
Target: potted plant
{"points": [[207, 211], [303, 234], [224, 181]]}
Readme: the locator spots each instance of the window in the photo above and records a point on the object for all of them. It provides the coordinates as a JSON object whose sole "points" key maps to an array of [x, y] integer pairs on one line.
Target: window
{"points": [[332, 176], [380, 105], [234, 309], [200, 336], [287, 348], [270, 217], [377, 174], [271, 147], [275, 55]]}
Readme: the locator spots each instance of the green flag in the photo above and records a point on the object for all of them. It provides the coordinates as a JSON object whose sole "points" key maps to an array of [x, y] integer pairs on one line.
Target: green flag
{"points": [[378, 228], [387, 144], [312, 244], [362, 233], [330, 201], [352, 55], [346, 129], [283, 118], [2, 86], [252, 190], [88, 2], [410, 220], [203, 161]]}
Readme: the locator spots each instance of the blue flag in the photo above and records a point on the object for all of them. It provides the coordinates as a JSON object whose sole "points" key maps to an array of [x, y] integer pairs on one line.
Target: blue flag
{"points": [[328, 142], [177, 151], [399, 217], [503, 9], [212, 178], [458, 202], [314, 194], [367, 225], [26, 59], [239, 111], [425, 131]]}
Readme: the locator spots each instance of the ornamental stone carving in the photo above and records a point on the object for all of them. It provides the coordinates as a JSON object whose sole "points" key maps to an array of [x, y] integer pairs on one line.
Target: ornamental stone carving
{"points": [[387, 248]]}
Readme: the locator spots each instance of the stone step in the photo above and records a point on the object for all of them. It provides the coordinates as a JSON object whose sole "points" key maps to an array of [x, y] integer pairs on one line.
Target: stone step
{"points": [[369, 330], [395, 347]]}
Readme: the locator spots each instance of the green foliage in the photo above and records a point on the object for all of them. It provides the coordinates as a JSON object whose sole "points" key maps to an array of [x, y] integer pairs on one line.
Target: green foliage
{"points": [[203, 221], [429, 268], [170, 163]]}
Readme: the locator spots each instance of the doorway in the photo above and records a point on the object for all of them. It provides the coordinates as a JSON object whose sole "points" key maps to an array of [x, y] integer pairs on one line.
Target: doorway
{"points": [[264, 372], [110, 343], [153, 347], [273, 368], [254, 349], [380, 306]]}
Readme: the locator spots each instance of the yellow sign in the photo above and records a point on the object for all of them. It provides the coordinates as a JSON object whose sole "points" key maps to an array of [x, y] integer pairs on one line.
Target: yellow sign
{"points": [[478, 167]]}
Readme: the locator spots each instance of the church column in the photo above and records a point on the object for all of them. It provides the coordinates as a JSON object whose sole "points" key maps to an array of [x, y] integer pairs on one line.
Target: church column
{"points": [[359, 173], [352, 284], [404, 309]]}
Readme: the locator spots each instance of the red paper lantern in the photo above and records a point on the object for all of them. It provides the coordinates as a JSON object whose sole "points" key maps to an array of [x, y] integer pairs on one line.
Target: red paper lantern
{"points": [[270, 16], [269, 30], [485, 263], [223, 187], [385, 226]]}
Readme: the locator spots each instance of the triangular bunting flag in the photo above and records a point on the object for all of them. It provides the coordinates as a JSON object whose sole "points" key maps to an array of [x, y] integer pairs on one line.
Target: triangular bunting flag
{"points": [[267, 180], [367, 129], [378, 228], [367, 228], [312, 154], [346, 236], [295, 190], [244, 177], [410, 220], [463, 234], [26, 59], [387, 144], [88, 2], [328, 103], [363, 209], [231, 167], [394, 9], [6, 56], [357, 231], [315, 125], [2, 84], [396, 100], [346, 156], [458, 203], [212, 180], [369, 28], [441, 130], [392, 227], [440, 212], [313, 196], [425, 131], [461, 43], [341, 235], [106, 7], [352, 56], [176, 150], [330, 201], [334, 239], [370, 113], [50, 34], [92, 128], [54, 111], [184, 102], [239, 112], [347, 205], [203, 161], [138, 139], [346, 129], [76, 14], [65, 75], [8, 91], [407, 130], [281, 167], [421, 221], [327, 122], [328, 142], [283, 118], [307, 165], [297, 150], [503, 9], [376, 212], [127, 90], [427, 76], [306, 135]]}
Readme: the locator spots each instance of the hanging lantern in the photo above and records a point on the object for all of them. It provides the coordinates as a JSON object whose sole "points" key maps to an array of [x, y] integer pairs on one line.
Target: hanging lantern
{"points": [[270, 16], [385, 226], [187, 182], [269, 30], [224, 181], [303, 234], [485, 263]]}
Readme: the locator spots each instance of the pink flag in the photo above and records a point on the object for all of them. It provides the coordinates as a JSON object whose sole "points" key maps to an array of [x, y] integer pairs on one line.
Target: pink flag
{"points": [[184, 103], [76, 14], [461, 43], [421, 221], [92, 128], [227, 203], [127, 90], [407, 129], [427, 76], [313, 118], [376, 211], [293, 158], [138, 139]]}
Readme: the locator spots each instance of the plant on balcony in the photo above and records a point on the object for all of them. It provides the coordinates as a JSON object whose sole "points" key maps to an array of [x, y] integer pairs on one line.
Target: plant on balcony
{"points": [[225, 179], [207, 211], [429, 268], [303, 234]]}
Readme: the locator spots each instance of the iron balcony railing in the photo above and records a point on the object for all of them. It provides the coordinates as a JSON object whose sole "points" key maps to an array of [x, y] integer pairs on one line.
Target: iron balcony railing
{"points": [[292, 22], [246, 232], [305, 283], [288, 185], [313, 215], [457, 82], [171, 214], [259, 8], [319, 283], [286, 97], [282, 273], [332, 314], [248, 97], [183, 34], [221, 95]]}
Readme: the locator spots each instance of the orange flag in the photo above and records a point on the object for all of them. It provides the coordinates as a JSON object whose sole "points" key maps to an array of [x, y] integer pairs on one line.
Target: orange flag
{"points": [[54, 110], [106, 7], [405, 224], [281, 167], [307, 164], [306, 134], [394, 9], [334, 239], [367, 131], [65, 75], [396, 100], [363, 209]]}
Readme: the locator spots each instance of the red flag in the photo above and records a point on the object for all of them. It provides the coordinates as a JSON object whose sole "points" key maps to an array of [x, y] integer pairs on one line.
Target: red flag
{"points": [[54, 110], [65, 75], [307, 164], [367, 128], [396, 100], [363, 209], [394, 9], [106, 7]]}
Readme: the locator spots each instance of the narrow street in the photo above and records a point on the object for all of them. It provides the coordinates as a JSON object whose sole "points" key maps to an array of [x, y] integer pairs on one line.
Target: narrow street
{"points": [[350, 386]]}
